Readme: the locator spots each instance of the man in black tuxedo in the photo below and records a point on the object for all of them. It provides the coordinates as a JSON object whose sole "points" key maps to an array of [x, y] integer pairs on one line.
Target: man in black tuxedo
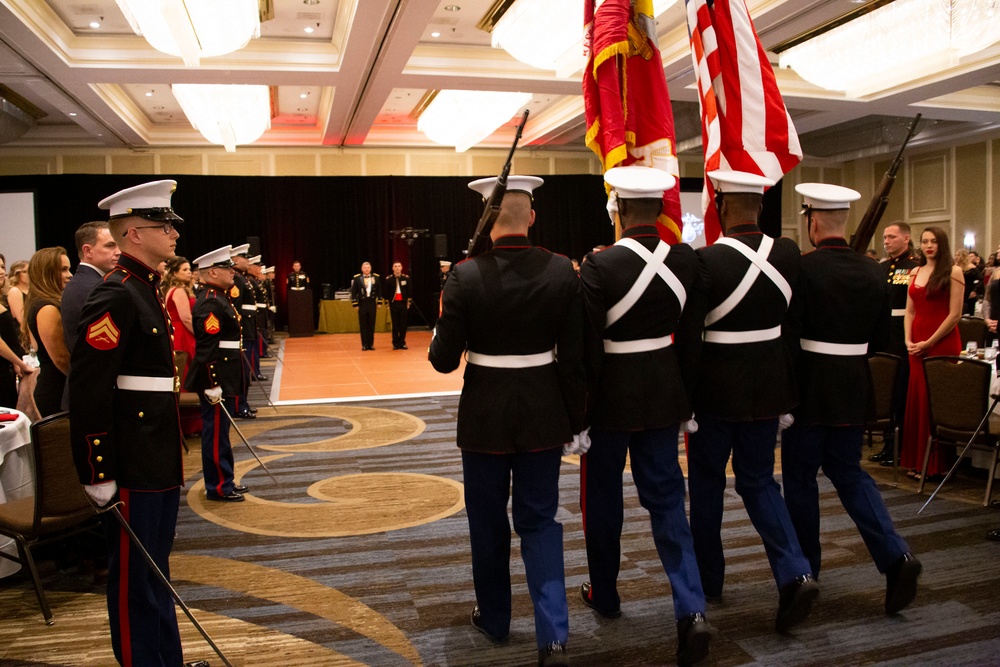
{"points": [[399, 294], [365, 294], [98, 254]]}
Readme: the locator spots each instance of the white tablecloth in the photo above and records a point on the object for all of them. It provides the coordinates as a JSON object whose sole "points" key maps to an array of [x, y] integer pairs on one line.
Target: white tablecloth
{"points": [[16, 476]]}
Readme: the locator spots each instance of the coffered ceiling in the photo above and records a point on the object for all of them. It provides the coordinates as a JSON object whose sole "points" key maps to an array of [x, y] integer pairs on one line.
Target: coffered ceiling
{"points": [[356, 78]]}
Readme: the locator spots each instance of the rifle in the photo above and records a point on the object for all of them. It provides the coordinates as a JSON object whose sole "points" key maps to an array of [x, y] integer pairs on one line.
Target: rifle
{"points": [[866, 228], [480, 241]]}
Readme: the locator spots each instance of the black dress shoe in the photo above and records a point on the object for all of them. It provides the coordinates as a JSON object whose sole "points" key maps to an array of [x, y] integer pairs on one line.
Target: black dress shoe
{"points": [[403, 347], [795, 602], [233, 497], [552, 655], [693, 635], [197, 663], [993, 535], [887, 462], [476, 619], [241, 488], [881, 456], [246, 414], [261, 378], [901, 583], [587, 595]]}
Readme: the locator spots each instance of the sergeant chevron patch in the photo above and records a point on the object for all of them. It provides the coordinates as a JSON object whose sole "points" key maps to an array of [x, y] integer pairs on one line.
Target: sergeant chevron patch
{"points": [[212, 325], [103, 334]]}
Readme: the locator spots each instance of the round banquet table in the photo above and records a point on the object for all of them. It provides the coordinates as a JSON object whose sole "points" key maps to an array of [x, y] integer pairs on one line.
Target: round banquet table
{"points": [[16, 475]]}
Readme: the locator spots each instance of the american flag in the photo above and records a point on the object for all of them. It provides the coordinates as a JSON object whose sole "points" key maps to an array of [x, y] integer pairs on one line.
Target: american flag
{"points": [[629, 117], [744, 123]]}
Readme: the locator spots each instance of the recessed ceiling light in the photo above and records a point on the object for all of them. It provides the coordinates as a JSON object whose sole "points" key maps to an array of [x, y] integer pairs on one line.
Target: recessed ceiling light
{"points": [[71, 113], [304, 95], [149, 93], [435, 34], [95, 25], [309, 29], [310, 2], [451, 8]]}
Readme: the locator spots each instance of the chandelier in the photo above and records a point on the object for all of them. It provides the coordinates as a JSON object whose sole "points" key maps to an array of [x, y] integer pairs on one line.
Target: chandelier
{"points": [[227, 115], [194, 29], [463, 118], [896, 43]]}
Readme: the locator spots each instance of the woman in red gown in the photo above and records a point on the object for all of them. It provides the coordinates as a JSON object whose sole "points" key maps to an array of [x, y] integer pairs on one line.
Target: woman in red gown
{"points": [[179, 299], [933, 309]]}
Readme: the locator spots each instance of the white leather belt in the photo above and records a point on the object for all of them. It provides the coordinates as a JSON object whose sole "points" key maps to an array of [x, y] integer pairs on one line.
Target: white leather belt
{"points": [[736, 337], [835, 349], [249, 306], [229, 344], [511, 360], [141, 383], [641, 345], [898, 312], [262, 305], [297, 289]]}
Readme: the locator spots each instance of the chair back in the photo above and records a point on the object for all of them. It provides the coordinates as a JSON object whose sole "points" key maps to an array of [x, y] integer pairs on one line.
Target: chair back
{"points": [[181, 365], [958, 391], [972, 329], [58, 492], [883, 367]]}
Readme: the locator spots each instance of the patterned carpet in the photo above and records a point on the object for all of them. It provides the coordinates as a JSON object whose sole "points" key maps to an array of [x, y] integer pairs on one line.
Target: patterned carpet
{"points": [[358, 555]]}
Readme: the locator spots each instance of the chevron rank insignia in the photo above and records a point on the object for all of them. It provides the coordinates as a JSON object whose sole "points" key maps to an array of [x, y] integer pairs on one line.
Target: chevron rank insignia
{"points": [[212, 325], [103, 334], [234, 292]]}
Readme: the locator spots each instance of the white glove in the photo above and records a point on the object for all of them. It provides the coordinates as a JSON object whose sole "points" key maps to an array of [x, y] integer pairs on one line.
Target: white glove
{"points": [[30, 360], [690, 426], [214, 395], [101, 494], [273, 309], [579, 445], [784, 421]]}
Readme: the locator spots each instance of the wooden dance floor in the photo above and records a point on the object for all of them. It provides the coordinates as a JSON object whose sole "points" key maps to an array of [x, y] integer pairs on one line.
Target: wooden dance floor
{"points": [[332, 368]]}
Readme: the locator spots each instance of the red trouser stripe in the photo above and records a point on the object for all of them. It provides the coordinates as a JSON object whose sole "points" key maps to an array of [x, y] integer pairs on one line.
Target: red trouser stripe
{"points": [[124, 548], [583, 492], [215, 451]]}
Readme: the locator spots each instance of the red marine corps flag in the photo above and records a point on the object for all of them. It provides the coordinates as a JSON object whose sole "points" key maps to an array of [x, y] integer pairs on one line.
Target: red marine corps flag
{"points": [[629, 119], [744, 123]]}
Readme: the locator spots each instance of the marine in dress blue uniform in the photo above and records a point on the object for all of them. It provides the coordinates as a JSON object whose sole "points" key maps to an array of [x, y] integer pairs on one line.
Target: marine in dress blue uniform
{"points": [[898, 264], [842, 314], [745, 383], [216, 372], [256, 279], [509, 309], [125, 428], [645, 306], [366, 292], [245, 302], [399, 293]]}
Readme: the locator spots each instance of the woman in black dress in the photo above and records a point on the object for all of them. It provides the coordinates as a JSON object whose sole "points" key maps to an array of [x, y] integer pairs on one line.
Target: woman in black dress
{"points": [[48, 273]]}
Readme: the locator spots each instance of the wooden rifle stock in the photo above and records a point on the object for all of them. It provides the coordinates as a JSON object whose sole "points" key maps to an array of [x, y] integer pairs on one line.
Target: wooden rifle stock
{"points": [[869, 223], [480, 241]]}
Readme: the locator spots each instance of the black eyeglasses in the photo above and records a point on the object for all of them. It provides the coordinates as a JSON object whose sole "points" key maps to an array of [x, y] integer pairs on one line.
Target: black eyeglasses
{"points": [[167, 227]]}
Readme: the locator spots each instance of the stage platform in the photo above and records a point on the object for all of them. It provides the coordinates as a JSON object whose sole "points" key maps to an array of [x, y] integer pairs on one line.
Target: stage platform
{"points": [[332, 368]]}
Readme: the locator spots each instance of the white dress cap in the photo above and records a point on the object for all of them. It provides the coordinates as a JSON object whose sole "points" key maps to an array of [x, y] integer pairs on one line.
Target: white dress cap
{"points": [[728, 182], [255, 259], [149, 200], [639, 182], [825, 196], [525, 184], [444, 262], [219, 257], [241, 250]]}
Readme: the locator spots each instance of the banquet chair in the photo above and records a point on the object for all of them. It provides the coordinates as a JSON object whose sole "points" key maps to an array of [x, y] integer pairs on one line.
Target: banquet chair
{"points": [[188, 402], [958, 395], [59, 507], [972, 329], [883, 367]]}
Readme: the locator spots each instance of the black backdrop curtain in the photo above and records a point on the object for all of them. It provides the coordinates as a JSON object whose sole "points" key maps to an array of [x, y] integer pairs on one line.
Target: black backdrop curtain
{"points": [[330, 224], [333, 224]]}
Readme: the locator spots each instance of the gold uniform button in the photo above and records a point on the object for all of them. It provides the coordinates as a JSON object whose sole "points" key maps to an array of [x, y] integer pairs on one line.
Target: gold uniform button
{"points": [[100, 475], [889, 280], [141, 415], [100, 458], [150, 277], [155, 330], [97, 442]]}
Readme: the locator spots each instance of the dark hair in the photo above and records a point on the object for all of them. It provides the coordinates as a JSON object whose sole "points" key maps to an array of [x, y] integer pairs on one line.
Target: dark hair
{"points": [[173, 265], [941, 276], [86, 234]]}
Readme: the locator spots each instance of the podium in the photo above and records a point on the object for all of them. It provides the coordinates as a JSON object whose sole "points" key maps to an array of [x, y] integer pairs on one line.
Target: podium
{"points": [[300, 313]]}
